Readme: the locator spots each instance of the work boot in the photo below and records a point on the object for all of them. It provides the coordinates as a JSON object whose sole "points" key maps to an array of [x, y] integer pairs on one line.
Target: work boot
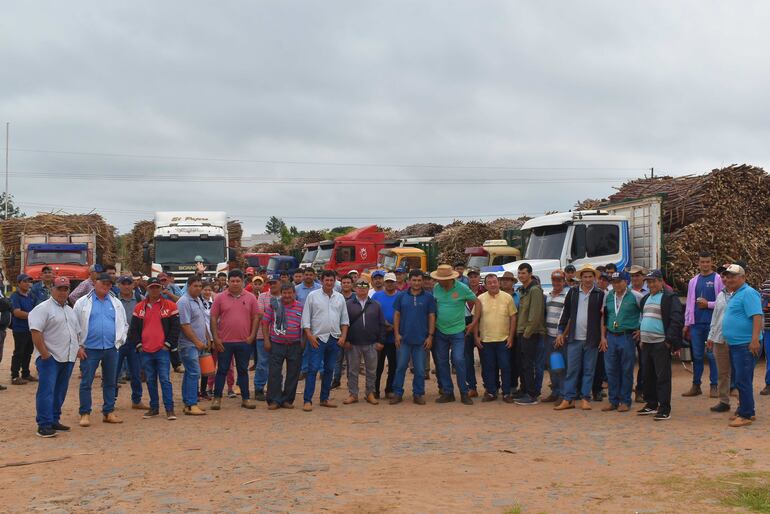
{"points": [[585, 404], [765, 391], [445, 398], [694, 391], [564, 405], [350, 399], [419, 400], [713, 392], [30, 378], [151, 413], [193, 410], [472, 393], [720, 407], [609, 407], [740, 422], [139, 406], [273, 406], [59, 427], [248, 404], [396, 399], [216, 403], [550, 398], [259, 396], [466, 399], [85, 420], [488, 397], [287, 405], [111, 418], [623, 408], [170, 415], [329, 404], [307, 407]]}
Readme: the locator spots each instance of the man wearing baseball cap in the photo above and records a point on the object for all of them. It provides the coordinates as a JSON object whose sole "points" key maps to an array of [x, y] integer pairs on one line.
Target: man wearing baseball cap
{"points": [[378, 282], [386, 298], [741, 328], [554, 305], [87, 285], [261, 357], [22, 303]]}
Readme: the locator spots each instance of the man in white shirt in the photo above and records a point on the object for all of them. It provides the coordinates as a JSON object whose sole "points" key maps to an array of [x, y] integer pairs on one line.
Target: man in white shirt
{"points": [[55, 330]]}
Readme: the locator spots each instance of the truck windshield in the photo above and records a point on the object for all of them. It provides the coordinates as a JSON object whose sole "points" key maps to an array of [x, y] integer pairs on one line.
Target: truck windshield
{"points": [[478, 261], [184, 250], [324, 254], [54, 257], [309, 256], [546, 242], [388, 261], [252, 261]]}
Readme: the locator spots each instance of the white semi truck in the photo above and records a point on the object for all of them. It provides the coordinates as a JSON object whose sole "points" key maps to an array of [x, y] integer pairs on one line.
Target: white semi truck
{"points": [[182, 237], [624, 233]]}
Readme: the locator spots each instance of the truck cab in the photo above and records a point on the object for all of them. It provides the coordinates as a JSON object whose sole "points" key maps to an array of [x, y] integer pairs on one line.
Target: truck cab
{"points": [[356, 250], [68, 255], [309, 251], [257, 260], [494, 252], [279, 263], [412, 253], [323, 255]]}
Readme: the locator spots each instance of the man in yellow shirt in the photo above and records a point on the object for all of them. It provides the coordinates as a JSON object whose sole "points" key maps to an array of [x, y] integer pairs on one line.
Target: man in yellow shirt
{"points": [[494, 338]]}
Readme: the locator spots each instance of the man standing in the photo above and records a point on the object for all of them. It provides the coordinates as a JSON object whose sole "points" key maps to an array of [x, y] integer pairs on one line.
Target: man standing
{"points": [[103, 328], [451, 295], [401, 282], [474, 284], [378, 282], [569, 275], [580, 325], [22, 303], [716, 343], [234, 318], [660, 332], [42, 289], [127, 351], [494, 335], [347, 292], [193, 339], [619, 332], [766, 307], [530, 329], [741, 328], [87, 285], [459, 268], [702, 292], [262, 364], [282, 329], [308, 285], [386, 299], [325, 323], [365, 339], [414, 322], [638, 273], [554, 306], [55, 331], [297, 277]]}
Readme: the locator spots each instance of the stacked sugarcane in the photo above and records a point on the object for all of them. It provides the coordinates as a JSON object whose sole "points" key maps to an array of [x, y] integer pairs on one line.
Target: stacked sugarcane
{"points": [[141, 233], [12, 229], [725, 212]]}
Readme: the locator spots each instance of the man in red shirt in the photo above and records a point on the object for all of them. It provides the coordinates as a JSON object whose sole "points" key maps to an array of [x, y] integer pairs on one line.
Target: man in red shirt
{"points": [[234, 320], [155, 328]]}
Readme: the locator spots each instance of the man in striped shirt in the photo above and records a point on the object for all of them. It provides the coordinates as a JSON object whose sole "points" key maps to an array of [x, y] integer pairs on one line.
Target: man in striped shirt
{"points": [[765, 291], [554, 305], [282, 329]]}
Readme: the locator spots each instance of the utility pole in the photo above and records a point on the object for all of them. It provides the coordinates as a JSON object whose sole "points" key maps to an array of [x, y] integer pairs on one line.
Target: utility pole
{"points": [[7, 130], [652, 172]]}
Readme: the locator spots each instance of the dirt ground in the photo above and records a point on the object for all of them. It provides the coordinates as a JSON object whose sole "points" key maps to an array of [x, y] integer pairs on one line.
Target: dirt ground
{"points": [[490, 457]]}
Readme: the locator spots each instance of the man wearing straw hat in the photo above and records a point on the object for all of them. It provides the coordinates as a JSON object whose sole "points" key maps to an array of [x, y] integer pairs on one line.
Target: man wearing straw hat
{"points": [[451, 295], [193, 339]]}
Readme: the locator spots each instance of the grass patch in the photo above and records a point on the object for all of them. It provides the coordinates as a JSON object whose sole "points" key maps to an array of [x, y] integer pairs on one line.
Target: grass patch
{"points": [[754, 498], [515, 509]]}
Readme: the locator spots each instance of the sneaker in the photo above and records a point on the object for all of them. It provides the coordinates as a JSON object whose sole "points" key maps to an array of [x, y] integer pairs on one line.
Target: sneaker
{"points": [[231, 394], [518, 394], [2, 387], [170, 415], [395, 400], [508, 398], [646, 411], [18, 381], [662, 416], [526, 400], [713, 392], [46, 432], [85, 420], [466, 398], [30, 378], [693, 391], [763, 392], [445, 398], [216, 403], [151, 413], [205, 396], [488, 397], [259, 396], [60, 428], [720, 407], [419, 400]]}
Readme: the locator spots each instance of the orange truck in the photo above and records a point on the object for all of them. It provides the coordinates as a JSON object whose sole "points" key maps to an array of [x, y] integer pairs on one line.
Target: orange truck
{"points": [[68, 255]]}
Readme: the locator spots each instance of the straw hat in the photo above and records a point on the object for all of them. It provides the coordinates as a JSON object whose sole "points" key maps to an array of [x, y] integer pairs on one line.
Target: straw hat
{"points": [[586, 268], [444, 272]]}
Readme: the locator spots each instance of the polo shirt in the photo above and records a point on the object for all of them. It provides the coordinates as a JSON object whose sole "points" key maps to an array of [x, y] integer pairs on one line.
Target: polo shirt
{"points": [[450, 307], [191, 312], [153, 336], [414, 311], [293, 332], [627, 316], [302, 291], [737, 324], [235, 315], [651, 328], [128, 306], [101, 324], [25, 302], [60, 328], [496, 312]]}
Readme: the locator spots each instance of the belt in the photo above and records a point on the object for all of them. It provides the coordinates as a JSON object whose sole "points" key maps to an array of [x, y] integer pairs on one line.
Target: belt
{"points": [[622, 332]]}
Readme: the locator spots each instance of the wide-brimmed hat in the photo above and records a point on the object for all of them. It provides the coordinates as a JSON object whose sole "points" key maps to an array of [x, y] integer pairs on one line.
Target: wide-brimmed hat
{"points": [[444, 272], [508, 275], [587, 268]]}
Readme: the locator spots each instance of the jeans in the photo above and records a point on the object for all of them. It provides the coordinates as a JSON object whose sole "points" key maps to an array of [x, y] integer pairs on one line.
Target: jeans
{"points": [[22, 353], [456, 343], [262, 363], [278, 392], [540, 365], [581, 365], [109, 361], [470, 361], [557, 378], [657, 379], [496, 367], [338, 366], [354, 355], [517, 381], [54, 378], [767, 357], [744, 378], [305, 355], [127, 355], [157, 367], [322, 358], [242, 353], [698, 334], [619, 362], [416, 353], [528, 348], [192, 374], [388, 352]]}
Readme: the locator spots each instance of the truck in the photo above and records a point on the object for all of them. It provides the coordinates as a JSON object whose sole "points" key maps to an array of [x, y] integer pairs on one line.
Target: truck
{"points": [[356, 250], [624, 233], [69, 255], [493, 252], [182, 237], [309, 251], [411, 253], [279, 263], [257, 260]]}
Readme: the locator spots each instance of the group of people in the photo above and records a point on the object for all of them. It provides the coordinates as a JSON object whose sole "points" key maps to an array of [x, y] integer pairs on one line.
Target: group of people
{"points": [[593, 327]]}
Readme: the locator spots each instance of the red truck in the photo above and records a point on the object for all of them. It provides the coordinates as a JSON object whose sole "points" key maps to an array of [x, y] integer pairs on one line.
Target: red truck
{"points": [[257, 260], [356, 250], [68, 255]]}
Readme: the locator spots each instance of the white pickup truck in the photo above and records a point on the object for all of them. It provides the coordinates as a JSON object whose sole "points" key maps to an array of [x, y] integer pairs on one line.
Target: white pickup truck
{"points": [[624, 233]]}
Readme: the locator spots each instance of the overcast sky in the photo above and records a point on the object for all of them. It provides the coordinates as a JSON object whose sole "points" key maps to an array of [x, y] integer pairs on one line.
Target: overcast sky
{"points": [[382, 112]]}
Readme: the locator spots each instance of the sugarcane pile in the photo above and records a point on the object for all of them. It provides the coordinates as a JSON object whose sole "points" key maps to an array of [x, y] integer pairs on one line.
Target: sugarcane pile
{"points": [[420, 230], [234, 234], [55, 224], [312, 236], [457, 236], [726, 212], [141, 233]]}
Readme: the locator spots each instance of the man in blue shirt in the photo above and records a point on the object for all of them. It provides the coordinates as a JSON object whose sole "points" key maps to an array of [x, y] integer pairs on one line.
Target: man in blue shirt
{"points": [[386, 298], [193, 339], [307, 286], [741, 328], [42, 290], [22, 303]]}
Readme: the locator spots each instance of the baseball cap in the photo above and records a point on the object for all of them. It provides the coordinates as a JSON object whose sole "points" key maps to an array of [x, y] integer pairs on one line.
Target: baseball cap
{"points": [[198, 258], [554, 274], [272, 278], [473, 269], [569, 268], [362, 283], [378, 273], [654, 275], [400, 269], [390, 277], [353, 271], [620, 275], [96, 268], [61, 282], [153, 282], [125, 279], [250, 270], [734, 269], [103, 277], [23, 277]]}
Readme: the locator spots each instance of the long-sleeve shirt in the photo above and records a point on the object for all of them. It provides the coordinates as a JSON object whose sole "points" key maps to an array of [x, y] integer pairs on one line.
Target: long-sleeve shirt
{"points": [[715, 332], [690, 306], [325, 314], [81, 290], [531, 319]]}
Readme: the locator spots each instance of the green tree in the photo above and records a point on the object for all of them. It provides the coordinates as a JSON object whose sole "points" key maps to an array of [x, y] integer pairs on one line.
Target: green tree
{"points": [[275, 225], [13, 210]]}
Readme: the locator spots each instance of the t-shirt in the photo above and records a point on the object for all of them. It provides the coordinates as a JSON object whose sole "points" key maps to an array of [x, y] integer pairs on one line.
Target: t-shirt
{"points": [[193, 313], [450, 307], [386, 301], [414, 311], [651, 328], [235, 315], [496, 312], [293, 330], [24, 302], [704, 288], [554, 305], [738, 322]]}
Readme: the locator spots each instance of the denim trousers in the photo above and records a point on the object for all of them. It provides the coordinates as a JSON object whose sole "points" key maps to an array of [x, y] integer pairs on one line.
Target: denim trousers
{"points": [[744, 378], [262, 366], [157, 368], [454, 343], [496, 367], [128, 356], [192, 374], [698, 334], [619, 362], [405, 353], [53, 381], [321, 359], [242, 353], [581, 365], [109, 360]]}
